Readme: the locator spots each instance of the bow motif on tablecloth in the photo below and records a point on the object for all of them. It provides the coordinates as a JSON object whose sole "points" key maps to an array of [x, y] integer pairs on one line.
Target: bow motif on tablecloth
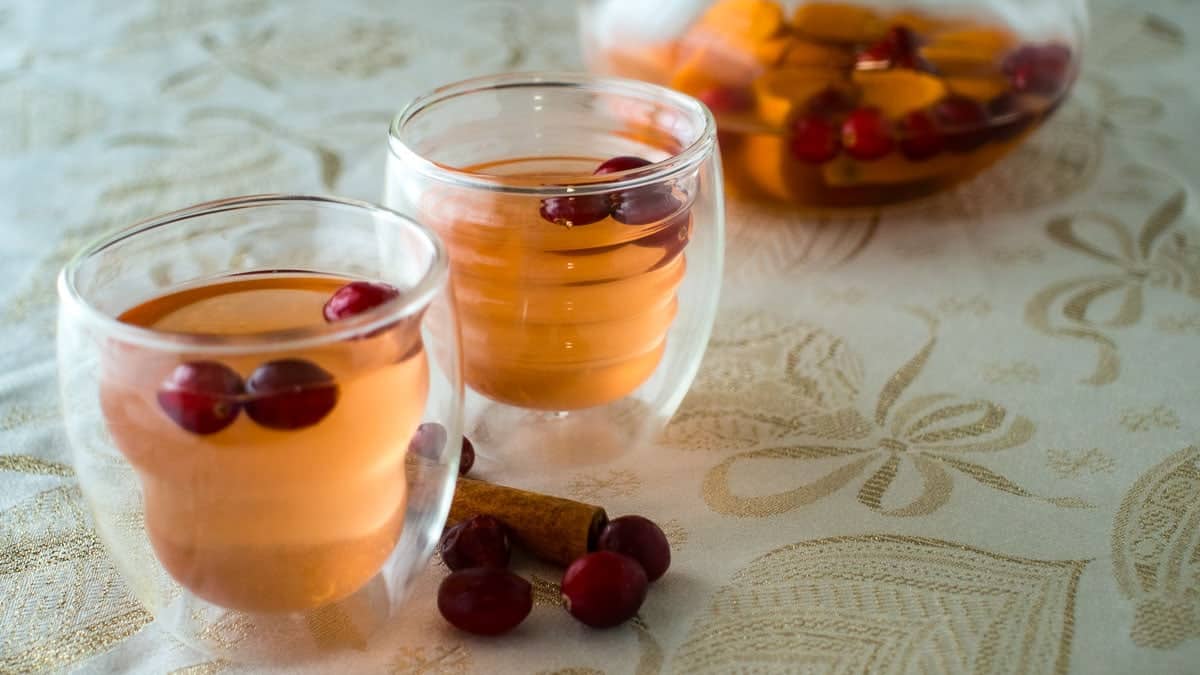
{"points": [[927, 434], [1155, 257]]}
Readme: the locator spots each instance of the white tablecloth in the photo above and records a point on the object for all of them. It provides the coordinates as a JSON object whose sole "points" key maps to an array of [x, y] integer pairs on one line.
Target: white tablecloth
{"points": [[958, 436]]}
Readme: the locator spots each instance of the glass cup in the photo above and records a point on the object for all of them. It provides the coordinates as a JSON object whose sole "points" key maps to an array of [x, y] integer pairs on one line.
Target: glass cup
{"points": [[249, 462], [850, 103], [585, 296]]}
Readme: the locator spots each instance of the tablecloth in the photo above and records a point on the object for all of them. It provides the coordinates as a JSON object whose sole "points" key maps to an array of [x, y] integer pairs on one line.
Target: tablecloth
{"points": [[955, 436]]}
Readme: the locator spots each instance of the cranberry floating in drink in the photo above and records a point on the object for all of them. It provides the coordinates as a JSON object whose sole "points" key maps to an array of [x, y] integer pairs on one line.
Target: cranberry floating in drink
{"points": [[885, 71]]}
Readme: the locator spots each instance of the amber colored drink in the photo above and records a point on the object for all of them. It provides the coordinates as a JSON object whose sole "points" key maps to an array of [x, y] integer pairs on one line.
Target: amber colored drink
{"points": [[270, 509], [556, 317], [844, 104]]}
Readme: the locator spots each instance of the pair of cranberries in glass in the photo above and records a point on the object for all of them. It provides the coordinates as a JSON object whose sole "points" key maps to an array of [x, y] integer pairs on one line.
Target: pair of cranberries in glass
{"points": [[833, 122], [639, 206], [204, 397]]}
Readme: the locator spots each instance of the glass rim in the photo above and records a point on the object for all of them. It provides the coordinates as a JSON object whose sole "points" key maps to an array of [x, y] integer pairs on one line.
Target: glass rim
{"points": [[407, 304], [695, 152]]}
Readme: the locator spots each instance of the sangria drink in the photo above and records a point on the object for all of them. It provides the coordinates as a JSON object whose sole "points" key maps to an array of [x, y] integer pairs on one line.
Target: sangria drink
{"points": [[564, 302], [272, 480], [849, 104]]}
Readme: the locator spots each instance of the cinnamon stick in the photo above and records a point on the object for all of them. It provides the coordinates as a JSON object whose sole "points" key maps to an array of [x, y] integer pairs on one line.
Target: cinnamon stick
{"points": [[554, 529]]}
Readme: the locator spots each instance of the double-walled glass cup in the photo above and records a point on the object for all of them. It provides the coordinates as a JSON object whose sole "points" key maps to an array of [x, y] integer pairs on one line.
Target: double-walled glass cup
{"points": [[586, 295], [247, 452]]}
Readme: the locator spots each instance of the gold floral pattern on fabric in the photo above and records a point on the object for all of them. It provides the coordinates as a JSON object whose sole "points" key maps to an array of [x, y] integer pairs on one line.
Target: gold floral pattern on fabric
{"points": [[912, 445], [780, 244], [34, 466], [206, 668], [887, 603], [1152, 256], [1156, 551], [1018, 372], [975, 305], [431, 660], [1079, 463], [265, 56], [1179, 324], [1127, 34], [546, 593], [332, 627], [45, 542], [1149, 419], [597, 486], [765, 379], [37, 116]]}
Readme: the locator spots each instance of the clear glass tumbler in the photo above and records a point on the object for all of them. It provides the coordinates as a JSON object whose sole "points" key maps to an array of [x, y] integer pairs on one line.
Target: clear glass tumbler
{"points": [[245, 444], [586, 287]]}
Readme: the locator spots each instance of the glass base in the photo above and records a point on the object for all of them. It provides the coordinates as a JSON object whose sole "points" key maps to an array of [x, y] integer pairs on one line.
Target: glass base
{"points": [[510, 438], [279, 639]]}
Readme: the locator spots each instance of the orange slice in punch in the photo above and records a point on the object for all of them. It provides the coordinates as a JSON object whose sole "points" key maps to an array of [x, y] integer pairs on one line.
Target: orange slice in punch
{"points": [[768, 164], [838, 22], [982, 88], [805, 54], [748, 21], [973, 50], [730, 44], [896, 92], [891, 170], [781, 94]]}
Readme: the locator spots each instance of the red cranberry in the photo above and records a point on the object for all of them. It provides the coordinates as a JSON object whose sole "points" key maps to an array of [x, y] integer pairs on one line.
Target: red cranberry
{"points": [[898, 48], [428, 440], [357, 297], [726, 99], [645, 205], [575, 211], [604, 588], [1039, 69], [466, 459], [866, 134], [201, 396], [485, 600], [479, 541], [640, 539], [290, 394], [1008, 116], [622, 163], [830, 102], [921, 138], [964, 123], [814, 139]]}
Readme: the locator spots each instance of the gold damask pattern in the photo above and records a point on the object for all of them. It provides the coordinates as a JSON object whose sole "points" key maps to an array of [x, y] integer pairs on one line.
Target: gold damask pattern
{"points": [[596, 486], [1149, 419], [45, 542], [765, 379], [1156, 551], [431, 660], [1079, 463], [910, 444], [1156, 255], [887, 604]]}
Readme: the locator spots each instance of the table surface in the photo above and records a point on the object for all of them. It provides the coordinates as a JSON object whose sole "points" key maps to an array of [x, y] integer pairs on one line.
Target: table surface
{"points": [[954, 436]]}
